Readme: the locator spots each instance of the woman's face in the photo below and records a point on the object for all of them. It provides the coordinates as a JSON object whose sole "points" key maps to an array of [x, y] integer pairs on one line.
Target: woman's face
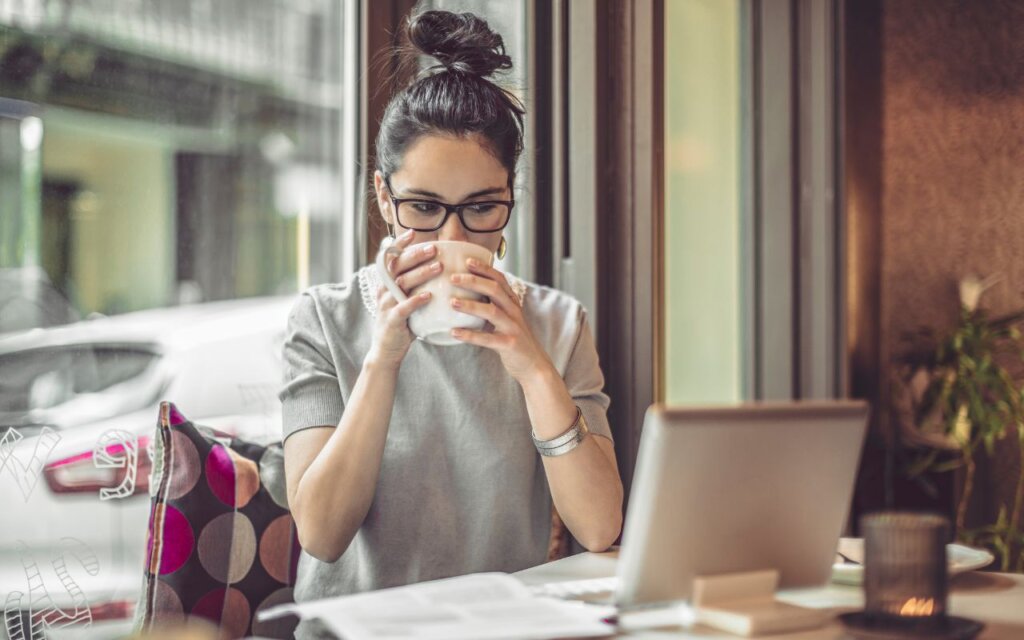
{"points": [[452, 170]]}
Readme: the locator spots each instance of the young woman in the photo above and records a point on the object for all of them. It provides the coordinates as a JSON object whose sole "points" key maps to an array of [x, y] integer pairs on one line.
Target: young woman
{"points": [[407, 461]]}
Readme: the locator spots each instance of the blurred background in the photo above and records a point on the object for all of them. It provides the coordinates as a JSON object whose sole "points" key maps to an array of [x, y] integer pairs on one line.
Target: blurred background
{"points": [[754, 199]]}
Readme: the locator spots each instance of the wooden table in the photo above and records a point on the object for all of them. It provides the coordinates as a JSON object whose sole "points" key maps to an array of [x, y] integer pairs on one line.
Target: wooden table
{"points": [[997, 599]]}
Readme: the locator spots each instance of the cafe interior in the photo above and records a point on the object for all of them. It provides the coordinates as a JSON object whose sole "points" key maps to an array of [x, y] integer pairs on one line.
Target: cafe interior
{"points": [[791, 233]]}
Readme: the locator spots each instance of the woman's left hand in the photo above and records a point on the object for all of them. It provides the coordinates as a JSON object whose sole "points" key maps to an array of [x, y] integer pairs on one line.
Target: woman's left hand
{"points": [[512, 339]]}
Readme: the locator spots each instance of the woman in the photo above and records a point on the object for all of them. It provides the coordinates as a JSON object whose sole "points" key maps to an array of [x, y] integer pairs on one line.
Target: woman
{"points": [[407, 461]]}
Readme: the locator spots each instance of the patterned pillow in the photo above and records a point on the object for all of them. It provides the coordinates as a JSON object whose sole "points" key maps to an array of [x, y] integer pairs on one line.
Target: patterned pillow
{"points": [[222, 544]]}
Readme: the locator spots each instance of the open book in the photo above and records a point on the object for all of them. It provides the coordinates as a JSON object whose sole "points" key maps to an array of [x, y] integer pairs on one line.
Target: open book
{"points": [[484, 606]]}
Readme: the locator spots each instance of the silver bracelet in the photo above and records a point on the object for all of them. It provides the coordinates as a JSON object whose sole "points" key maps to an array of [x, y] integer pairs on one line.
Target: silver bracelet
{"points": [[566, 442]]}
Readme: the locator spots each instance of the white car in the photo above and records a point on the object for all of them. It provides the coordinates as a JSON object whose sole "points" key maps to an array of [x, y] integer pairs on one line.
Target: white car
{"points": [[78, 405]]}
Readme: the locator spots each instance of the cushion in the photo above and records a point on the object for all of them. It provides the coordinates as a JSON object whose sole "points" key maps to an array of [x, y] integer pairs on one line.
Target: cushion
{"points": [[222, 545]]}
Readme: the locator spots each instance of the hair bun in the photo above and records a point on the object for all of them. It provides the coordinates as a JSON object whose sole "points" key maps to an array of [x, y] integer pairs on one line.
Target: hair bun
{"points": [[461, 42]]}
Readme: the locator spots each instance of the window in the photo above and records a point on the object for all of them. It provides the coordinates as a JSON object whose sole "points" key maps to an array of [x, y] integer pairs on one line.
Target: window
{"points": [[171, 173], [173, 151], [703, 263]]}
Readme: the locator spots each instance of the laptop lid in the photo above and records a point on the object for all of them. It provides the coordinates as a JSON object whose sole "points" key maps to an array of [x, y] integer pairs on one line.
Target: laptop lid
{"points": [[733, 489]]}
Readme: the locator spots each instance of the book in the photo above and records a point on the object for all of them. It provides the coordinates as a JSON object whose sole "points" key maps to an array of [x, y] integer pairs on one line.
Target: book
{"points": [[481, 606]]}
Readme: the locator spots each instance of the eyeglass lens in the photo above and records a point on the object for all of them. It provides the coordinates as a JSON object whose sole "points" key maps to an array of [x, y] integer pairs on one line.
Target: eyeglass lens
{"points": [[427, 216]]}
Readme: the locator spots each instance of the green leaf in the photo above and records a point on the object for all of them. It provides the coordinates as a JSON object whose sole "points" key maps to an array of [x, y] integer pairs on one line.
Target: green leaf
{"points": [[948, 465], [922, 463]]}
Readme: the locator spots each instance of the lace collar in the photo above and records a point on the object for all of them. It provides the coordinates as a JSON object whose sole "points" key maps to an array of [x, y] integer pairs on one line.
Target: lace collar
{"points": [[369, 282]]}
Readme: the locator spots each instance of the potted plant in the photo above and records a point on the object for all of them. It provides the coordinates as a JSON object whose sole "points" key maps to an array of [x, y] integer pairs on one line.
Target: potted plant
{"points": [[956, 397]]}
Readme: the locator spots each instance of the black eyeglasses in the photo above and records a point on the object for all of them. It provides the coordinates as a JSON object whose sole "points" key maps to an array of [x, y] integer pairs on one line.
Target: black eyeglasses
{"points": [[430, 215]]}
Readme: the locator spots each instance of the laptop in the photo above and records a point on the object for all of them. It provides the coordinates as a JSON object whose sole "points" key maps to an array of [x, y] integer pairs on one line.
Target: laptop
{"points": [[722, 490]]}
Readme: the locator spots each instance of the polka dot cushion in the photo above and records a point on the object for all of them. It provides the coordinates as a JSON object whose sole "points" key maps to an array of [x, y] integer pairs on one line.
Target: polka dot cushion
{"points": [[222, 545]]}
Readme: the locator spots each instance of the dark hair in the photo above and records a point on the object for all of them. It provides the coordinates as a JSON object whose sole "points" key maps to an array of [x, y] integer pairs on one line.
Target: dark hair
{"points": [[453, 97]]}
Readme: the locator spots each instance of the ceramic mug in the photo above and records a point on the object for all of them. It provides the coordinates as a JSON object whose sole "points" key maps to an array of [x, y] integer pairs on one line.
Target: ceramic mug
{"points": [[434, 321]]}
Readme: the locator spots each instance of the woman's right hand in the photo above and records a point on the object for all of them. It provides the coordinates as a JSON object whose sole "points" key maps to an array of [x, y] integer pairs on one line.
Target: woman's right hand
{"points": [[411, 268]]}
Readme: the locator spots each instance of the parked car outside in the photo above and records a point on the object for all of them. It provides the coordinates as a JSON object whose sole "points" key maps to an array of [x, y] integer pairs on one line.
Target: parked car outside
{"points": [[78, 405]]}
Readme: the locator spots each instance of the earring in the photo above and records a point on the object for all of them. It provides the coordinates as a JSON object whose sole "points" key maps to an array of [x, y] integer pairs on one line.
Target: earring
{"points": [[502, 248], [391, 227]]}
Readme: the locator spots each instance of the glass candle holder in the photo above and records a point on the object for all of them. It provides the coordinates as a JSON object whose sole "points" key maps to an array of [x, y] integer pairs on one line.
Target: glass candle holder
{"points": [[905, 581]]}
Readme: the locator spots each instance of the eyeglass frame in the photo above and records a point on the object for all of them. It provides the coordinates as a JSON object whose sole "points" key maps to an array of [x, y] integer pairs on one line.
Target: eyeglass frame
{"points": [[449, 209]]}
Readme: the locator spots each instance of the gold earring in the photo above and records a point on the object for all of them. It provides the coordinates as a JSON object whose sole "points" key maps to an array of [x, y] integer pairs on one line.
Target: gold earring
{"points": [[391, 227], [502, 248]]}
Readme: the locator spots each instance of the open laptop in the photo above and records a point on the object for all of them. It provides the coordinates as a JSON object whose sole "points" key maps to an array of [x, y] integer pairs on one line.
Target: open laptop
{"points": [[737, 489]]}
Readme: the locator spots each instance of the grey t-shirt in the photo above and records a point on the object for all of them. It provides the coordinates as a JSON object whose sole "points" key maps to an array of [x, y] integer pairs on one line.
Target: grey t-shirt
{"points": [[461, 487]]}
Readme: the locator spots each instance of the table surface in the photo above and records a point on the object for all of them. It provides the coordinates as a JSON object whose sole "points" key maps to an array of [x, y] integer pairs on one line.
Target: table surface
{"points": [[997, 599]]}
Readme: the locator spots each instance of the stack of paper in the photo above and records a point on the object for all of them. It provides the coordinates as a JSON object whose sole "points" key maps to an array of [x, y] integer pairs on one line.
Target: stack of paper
{"points": [[484, 606]]}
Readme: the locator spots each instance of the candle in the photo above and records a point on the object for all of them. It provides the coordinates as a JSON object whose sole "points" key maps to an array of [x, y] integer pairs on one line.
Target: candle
{"points": [[905, 579]]}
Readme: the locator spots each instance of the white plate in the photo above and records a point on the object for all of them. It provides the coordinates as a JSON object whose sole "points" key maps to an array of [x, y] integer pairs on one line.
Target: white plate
{"points": [[961, 559]]}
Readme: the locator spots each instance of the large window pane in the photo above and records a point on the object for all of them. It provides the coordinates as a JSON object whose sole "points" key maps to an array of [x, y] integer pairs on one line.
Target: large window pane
{"points": [[171, 173], [702, 201]]}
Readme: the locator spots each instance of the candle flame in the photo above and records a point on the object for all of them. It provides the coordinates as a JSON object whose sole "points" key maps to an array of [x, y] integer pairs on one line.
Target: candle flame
{"points": [[918, 607]]}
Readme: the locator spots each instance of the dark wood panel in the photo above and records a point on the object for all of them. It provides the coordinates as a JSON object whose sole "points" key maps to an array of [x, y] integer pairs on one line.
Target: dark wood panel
{"points": [[389, 68], [629, 214], [862, 186]]}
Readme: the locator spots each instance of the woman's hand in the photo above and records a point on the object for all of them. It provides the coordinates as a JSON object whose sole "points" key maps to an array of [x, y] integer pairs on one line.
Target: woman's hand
{"points": [[511, 338], [413, 266]]}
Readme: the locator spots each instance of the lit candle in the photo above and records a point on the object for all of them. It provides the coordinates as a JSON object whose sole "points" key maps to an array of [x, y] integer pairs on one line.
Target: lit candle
{"points": [[905, 578], [905, 581]]}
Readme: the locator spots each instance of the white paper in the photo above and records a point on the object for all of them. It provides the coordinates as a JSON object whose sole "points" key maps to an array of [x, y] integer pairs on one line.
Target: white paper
{"points": [[485, 606]]}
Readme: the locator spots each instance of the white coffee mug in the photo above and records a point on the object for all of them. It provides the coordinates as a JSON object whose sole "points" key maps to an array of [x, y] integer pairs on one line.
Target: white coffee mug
{"points": [[434, 321]]}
